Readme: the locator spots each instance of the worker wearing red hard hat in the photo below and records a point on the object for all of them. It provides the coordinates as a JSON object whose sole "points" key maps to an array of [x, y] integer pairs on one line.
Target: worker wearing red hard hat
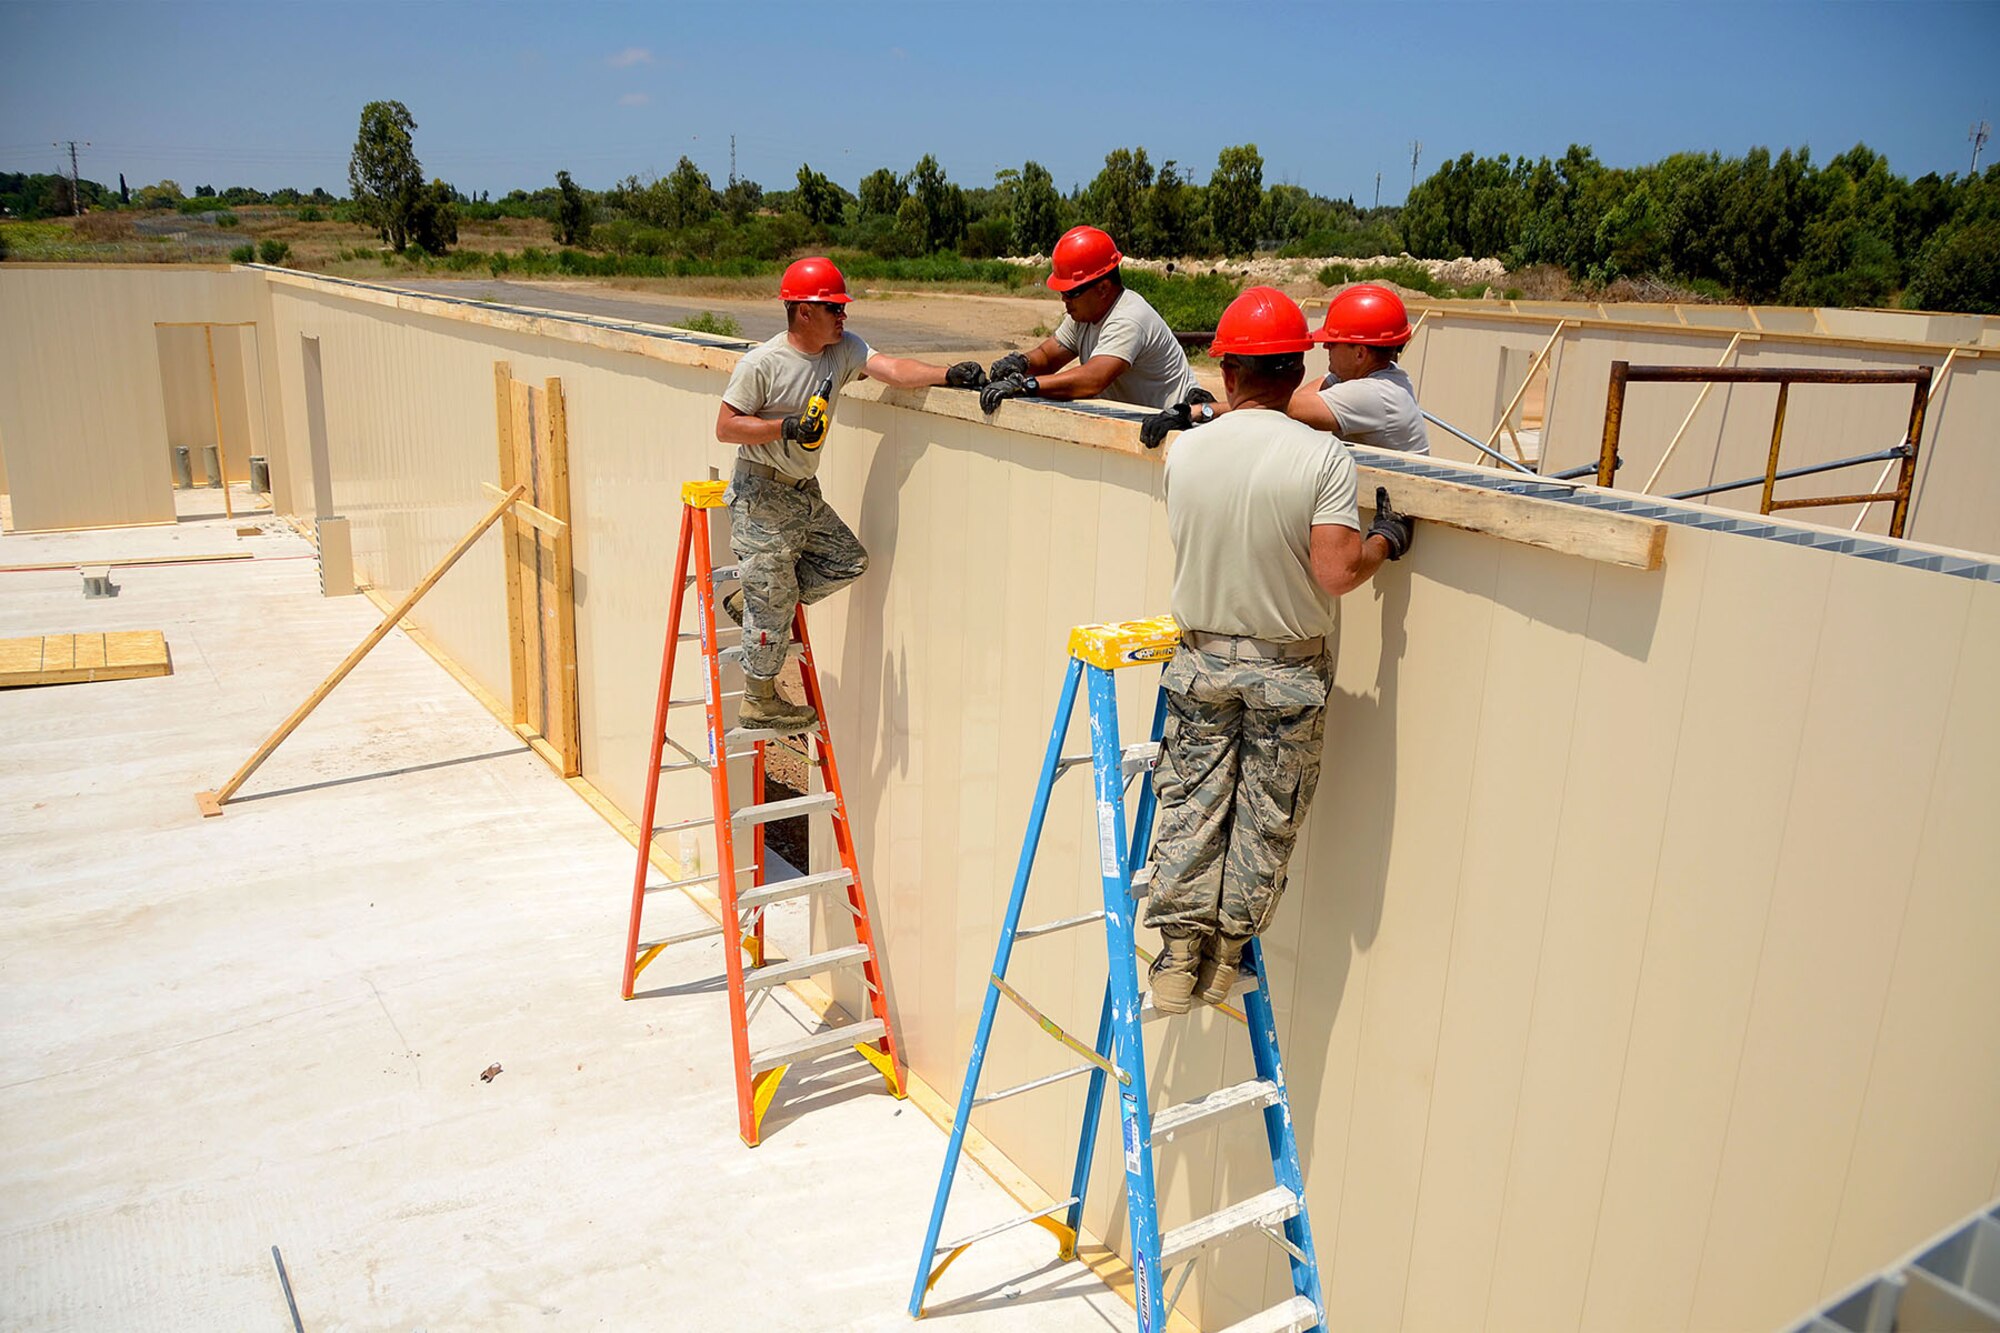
{"points": [[1366, 398], [791, 548], [1124, 351], [1267, 533]]}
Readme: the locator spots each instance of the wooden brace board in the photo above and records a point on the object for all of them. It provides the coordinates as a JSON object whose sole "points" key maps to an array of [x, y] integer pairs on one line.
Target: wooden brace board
{"points": [[533, 430], [64, 659]]}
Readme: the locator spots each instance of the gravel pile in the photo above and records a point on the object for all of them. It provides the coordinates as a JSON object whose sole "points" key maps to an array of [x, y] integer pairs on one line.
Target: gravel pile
{"points": [[1302, 275]]}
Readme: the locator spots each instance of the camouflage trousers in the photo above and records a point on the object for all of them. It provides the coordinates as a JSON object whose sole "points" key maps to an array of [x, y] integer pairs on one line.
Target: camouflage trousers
{"points": [[1238, 766], [792, 550]]}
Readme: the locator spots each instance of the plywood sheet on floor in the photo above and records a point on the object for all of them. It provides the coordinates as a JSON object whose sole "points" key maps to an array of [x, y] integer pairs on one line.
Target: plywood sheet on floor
{"points": [[68, 659]]}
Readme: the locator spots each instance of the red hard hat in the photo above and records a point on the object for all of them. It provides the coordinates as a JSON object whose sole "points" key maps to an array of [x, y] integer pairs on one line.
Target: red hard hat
{"points": [[1084, 254], [1261, 322], [814, 279], [1366, 314]]}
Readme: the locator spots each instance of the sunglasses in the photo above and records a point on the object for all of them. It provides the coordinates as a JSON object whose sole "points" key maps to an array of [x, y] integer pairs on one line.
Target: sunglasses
{"points": [[831, 308], [1076, 293]]}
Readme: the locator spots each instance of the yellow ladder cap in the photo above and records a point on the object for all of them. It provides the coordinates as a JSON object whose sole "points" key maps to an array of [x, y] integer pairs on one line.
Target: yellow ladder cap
{"points": [[1126, 642]]}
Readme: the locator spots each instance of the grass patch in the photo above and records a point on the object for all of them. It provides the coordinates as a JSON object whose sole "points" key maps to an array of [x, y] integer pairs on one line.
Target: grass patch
{"points": [[1185, 302], [706, 322]]}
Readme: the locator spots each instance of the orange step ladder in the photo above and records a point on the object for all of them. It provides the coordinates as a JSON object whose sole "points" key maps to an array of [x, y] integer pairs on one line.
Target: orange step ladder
{"points": [[758, 1072]]}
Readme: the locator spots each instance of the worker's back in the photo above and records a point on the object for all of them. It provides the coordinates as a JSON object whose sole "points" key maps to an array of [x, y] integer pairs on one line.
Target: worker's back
{"points": [[1243, 495]]}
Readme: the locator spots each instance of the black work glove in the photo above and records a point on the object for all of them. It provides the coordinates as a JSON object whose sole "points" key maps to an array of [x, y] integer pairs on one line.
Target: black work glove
{"points": [[1014, 363], [799, 430], [999, 391], [965, 375], [1394, 528], [1154, 429]]}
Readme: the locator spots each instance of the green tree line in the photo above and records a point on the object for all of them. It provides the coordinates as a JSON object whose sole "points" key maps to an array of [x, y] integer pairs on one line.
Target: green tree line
{"points": [[1755, 228]]}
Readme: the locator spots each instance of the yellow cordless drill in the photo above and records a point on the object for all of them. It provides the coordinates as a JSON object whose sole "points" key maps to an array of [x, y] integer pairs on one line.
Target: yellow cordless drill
{"points": [[812, 421]]}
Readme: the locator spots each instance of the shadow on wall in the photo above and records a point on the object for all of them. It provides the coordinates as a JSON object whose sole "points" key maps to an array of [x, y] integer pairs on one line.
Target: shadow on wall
{"points": [[1345, 870]]}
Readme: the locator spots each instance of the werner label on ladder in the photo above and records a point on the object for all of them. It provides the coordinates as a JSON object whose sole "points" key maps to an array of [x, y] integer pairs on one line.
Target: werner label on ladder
{"points": [[743, 906]]}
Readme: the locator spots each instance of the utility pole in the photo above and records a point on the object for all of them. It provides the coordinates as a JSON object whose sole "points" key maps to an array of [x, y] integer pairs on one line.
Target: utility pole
{"points": [[77, 201], [1979, 135], [1416, 151], [732, 159], [1378, 189]]}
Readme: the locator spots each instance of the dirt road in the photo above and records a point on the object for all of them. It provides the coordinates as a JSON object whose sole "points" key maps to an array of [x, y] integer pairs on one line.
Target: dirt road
{"points": [[896, 322]]}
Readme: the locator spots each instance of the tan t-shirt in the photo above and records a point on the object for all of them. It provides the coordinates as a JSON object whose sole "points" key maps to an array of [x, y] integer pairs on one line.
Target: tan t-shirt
{"points": [[1378, 410], [1133, 332], [774, 379], [1243, 495]]}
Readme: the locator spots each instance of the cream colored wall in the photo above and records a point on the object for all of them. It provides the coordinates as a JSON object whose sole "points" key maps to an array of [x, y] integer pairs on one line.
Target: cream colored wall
{"points": [[1636, 967], [82, 411], [190, 406], [1455, 363], [412, 434], [1631, 976], [1609, 912]]}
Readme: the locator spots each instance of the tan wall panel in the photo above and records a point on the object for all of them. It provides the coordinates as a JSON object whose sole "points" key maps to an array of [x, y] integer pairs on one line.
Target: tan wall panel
{"points": [[1456, 365], [1548, 1053], [191, 407], [1753, 657], [1575, 431], [1526, 684], [82, 415], [1456, 361], [1933, 1101], [1842, 880], [1956, 500]]}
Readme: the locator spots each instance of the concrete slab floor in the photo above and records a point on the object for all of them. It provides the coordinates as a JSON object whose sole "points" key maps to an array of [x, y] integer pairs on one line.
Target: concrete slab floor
{"points": [[268, 1029]]}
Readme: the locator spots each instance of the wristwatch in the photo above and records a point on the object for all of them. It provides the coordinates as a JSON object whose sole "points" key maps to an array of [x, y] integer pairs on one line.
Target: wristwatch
{"points": [[1202, 413]]}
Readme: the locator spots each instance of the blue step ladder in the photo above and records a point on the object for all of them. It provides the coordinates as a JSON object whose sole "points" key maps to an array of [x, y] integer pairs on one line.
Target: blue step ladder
{"points": [[1118, 1055]]}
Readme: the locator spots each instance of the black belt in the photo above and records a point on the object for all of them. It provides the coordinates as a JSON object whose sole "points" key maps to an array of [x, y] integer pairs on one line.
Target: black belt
{"points": [[768, 473]]}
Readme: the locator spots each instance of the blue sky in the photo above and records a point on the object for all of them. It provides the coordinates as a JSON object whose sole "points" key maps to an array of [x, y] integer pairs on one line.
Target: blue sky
{"points": [[504, 94]]}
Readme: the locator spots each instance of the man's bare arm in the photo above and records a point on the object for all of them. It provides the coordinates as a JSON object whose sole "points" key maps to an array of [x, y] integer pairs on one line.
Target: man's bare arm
{"points": [[1088, 380], [1308, 407], [1048, 356], [733, 426], [902, 372], [1342, 559]]}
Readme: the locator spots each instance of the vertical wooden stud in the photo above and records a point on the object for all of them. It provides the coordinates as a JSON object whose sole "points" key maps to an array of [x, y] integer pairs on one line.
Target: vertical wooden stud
{"points": [[512, 528], [215, 401], [521, 404], [559, 585]]}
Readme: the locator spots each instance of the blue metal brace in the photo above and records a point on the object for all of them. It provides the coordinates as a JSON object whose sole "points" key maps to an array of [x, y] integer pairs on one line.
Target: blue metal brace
{"points": [[1119, 1052]]}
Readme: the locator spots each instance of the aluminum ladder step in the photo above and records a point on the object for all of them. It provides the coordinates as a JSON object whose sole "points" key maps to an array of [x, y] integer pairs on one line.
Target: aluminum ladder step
{"points": [[1245, 982], [1254, 1095], [738, 734], [766, 894], [1294, 1316], [685, 937], [1264, 1210], [785, 809], [762, 977], [816, 1043]]}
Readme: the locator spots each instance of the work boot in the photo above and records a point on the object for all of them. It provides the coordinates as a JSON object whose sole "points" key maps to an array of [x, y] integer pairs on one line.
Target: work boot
{"points": [[764, 709], [1173, 975], [732, 605], [1221, 955]]}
